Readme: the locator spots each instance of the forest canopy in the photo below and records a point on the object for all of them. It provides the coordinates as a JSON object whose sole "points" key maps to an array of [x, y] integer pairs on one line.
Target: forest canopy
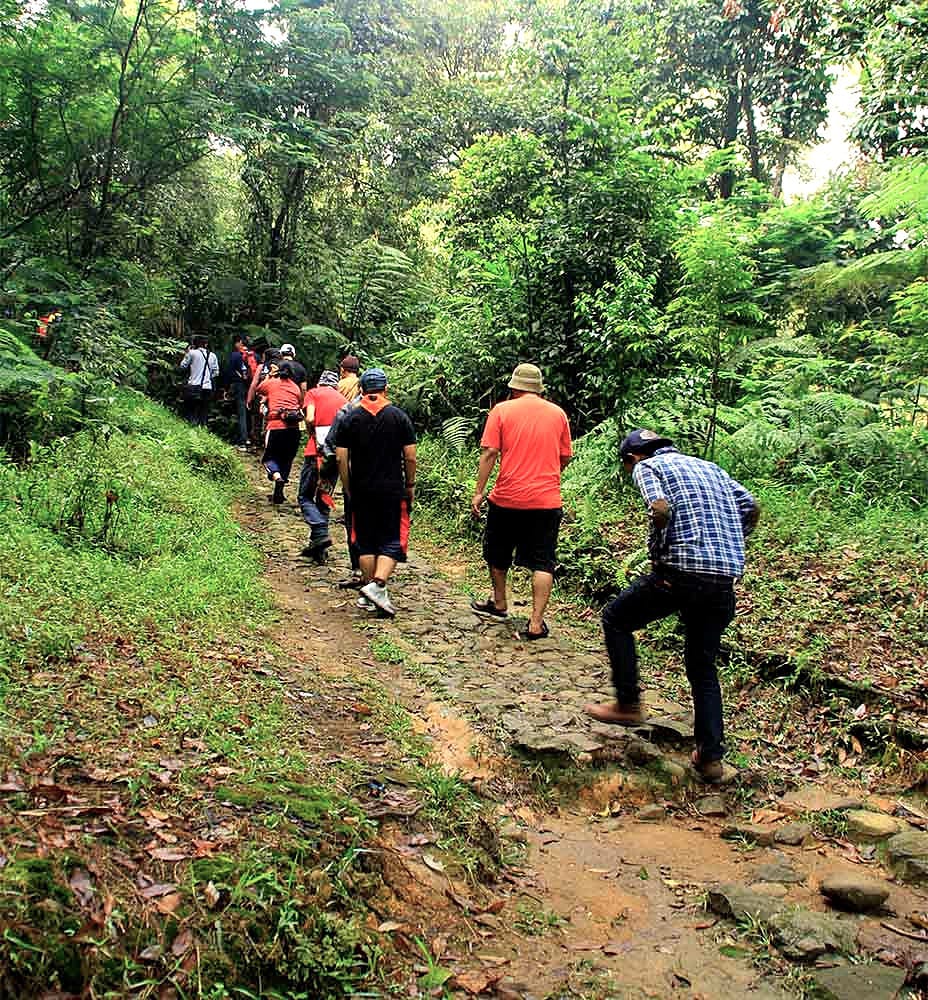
{"points": [[450, 189]]}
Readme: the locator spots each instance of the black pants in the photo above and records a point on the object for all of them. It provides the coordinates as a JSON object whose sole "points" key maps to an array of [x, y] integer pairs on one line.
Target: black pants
{"points": [[196, 407], [280, 451], [705, 606]]}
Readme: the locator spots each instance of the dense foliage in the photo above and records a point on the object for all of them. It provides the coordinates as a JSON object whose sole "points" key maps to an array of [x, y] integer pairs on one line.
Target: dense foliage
{"points": [[451, 190]]}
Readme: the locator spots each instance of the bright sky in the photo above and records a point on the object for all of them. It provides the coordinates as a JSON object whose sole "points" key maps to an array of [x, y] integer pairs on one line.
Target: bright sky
{"points": [[834, 151]]}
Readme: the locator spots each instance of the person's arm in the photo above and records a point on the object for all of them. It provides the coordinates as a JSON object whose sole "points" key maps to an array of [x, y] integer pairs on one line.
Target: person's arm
{"points": [[409, 464], [567, 450], [488, 460], [748, 507], [213, 366], [310, 413], [660, 511], [185, 361], [341, 455], [253, 388]]}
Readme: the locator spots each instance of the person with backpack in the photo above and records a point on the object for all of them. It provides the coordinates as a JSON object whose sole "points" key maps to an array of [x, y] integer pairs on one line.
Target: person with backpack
{"points": [[285, 416], [202, 368], [238, 378], [315, 499]]}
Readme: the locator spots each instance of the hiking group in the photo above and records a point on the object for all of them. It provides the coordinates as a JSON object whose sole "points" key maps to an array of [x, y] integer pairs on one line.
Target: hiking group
{"points": [[698, 515]]}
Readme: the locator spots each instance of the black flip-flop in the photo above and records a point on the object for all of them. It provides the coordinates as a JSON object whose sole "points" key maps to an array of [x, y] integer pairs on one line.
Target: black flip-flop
{"points": [[527, 636], [489, 610]]}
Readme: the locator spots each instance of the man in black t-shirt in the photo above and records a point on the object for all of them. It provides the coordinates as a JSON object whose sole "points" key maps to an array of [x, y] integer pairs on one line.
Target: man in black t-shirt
{"points": [[376, 450]]}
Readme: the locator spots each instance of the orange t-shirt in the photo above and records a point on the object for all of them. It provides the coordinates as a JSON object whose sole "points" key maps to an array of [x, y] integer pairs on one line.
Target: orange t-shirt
{"points": [[282, 394], [532, 436]]}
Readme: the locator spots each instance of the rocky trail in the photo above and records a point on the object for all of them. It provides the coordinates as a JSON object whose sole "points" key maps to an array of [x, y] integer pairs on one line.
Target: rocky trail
{"points": [[619, 875]]}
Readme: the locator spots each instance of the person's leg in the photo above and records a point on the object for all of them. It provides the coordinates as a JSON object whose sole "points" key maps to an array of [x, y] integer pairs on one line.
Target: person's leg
{"points": [[317, 521], [706, 612], [542, 584], [645, 600], [383, 569], [498, 581], [368, 564], [242, 412], [497, 551]]}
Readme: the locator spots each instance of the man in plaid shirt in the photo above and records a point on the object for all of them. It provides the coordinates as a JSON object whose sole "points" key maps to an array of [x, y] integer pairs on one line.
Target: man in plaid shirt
{"points": [[699, 519]]}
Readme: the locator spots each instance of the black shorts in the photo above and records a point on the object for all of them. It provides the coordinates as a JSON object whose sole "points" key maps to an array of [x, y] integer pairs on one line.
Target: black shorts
{"points": [[380, 526], [532, 534]]}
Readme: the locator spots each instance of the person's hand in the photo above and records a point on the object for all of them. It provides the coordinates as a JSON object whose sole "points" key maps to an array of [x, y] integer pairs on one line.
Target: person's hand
{"points": [[477, 502]]}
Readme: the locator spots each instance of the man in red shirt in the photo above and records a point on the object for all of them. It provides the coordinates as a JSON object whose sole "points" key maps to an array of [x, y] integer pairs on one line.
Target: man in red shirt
{"points": [[530, 437], [321, 403]]}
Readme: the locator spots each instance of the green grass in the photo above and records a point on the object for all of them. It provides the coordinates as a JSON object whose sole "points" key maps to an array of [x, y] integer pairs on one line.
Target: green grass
{"points": [[128, 648]]}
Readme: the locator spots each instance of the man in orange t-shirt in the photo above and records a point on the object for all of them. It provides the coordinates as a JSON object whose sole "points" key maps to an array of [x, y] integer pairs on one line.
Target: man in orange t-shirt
{"points": [[530, 437]]}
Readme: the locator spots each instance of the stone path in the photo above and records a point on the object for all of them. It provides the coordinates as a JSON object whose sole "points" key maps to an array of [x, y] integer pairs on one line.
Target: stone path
{"points": [[647, 813]]}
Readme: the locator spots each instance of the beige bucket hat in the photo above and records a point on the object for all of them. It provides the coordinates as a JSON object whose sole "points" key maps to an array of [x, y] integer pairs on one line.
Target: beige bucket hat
{"points": [[527, 378]]}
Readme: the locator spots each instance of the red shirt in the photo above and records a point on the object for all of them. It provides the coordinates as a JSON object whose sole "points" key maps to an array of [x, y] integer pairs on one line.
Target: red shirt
{"points": [[282, 394], [532, 436], [327, 402]]}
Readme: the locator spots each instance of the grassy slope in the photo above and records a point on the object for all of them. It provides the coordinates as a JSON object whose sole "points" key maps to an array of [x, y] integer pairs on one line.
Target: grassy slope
{"points": [[133, 722]]}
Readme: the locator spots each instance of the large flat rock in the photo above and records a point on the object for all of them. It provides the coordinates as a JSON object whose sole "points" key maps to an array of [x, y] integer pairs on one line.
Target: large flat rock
{"points": [[907, 853], [860, 982]]}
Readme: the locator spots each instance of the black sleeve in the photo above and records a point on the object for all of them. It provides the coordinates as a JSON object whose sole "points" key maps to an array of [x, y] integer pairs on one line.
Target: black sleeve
{"points": [[343, 432], [409, 432]]}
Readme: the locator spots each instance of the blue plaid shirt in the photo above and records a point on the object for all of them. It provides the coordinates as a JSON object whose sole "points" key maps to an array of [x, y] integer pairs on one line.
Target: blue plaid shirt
{"points": [[709, 513]]}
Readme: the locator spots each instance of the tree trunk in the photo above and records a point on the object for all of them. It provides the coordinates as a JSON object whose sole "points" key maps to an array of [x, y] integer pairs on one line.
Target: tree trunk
{"points": [[747, 107], [730, 133]]}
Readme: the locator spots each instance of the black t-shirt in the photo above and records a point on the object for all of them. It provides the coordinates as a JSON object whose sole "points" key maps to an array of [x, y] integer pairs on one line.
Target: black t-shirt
{"points": [[375, 443], [299, 372]]}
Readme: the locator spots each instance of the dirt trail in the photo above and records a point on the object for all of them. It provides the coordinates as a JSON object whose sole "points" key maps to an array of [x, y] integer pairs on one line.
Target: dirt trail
{"points": [[603, 902]]}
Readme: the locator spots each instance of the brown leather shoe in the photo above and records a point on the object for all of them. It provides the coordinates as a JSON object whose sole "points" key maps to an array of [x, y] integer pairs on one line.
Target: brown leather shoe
{"points": [[617, 714], [710, 771]]}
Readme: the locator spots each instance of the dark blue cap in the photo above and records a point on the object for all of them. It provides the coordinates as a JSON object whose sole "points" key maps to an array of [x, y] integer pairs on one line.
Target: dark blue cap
{"points": [[643, 442], [374, 380]]}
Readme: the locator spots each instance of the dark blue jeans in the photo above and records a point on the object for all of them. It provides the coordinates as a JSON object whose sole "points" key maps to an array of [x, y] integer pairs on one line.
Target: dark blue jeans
{"points": [[239, 392], [706, 607], [315, 514]]}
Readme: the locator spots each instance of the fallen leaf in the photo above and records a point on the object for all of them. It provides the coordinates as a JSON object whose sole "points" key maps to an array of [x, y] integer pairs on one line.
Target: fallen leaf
{"points": [[182, 943], [211, 895], [420, 840], [389, 925], [359, 708], [438, 946], [204, 848], [152, 953], [156, 890], [476, 982], [432, 863], [586, 946], [495, 906], [169, 854], [12, 783], [616, 947], [169, 903], [82, 886]]}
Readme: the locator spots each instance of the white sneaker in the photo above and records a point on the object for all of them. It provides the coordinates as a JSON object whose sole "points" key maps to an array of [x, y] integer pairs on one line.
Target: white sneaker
{"points": [[378, 596], [365, 605]]}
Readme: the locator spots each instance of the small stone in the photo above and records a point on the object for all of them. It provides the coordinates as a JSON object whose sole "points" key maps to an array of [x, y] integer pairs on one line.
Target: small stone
{"points": [[856, 893], [907, 853], [778, 871], [738, 901], [793, 834], [642, 752], [804, 935], [651, 814], [669, 730], [866, 825], [859, 982], [712, 805], [763, 836], [674, 771]]}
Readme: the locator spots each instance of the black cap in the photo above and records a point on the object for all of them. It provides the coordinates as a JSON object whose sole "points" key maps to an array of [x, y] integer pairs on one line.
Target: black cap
{"points": [[643, 442]]}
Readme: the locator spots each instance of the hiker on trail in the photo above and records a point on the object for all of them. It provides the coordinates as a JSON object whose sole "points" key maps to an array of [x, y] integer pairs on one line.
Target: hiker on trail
{"points": [[202, 368], [329, 476], [238, 377], [288, 353], [376, 452], [530, 437], [700, 517], [285, 416], [315, 497], [349, 385], [270, 365]]}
